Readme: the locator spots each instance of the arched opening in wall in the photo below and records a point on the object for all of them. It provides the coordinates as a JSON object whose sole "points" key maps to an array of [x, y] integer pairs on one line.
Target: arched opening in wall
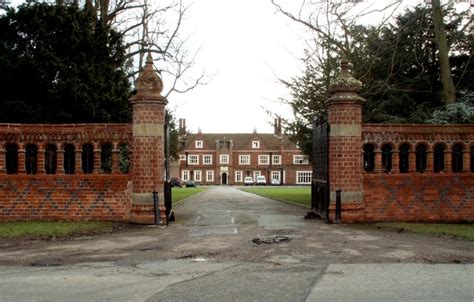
{"points": [[472, 159], [31, 159], [224, 178], [403, 155], [106, 158], [457, 160], [69, 159], [438, 158], [11, 158], [369, 158], [50, 159], [387, 158], [124, 158], [421, 158], [87, 158]]}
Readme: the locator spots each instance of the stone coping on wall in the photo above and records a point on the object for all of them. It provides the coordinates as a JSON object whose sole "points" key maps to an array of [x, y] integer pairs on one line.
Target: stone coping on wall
{"points": [[424, 129], [42, 132]]}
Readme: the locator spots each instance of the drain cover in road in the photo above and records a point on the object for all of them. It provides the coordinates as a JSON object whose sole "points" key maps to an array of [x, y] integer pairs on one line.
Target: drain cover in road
{"points": [[270, 240]]}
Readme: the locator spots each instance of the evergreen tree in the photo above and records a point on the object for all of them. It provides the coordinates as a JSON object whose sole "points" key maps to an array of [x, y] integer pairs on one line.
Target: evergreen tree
{"points": [[59, 64], [398, 66]]}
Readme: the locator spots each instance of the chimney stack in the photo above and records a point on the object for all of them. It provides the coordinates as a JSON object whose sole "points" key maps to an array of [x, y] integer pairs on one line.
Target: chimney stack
{"points": [[182, 126], [277, 126]]}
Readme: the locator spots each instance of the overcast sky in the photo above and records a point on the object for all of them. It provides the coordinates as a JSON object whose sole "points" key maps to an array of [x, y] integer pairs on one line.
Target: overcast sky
{"points": [[247, 47]]}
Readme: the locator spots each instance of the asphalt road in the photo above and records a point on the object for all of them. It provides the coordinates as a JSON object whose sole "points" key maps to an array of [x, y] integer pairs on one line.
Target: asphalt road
{"points": [[208, 255]]}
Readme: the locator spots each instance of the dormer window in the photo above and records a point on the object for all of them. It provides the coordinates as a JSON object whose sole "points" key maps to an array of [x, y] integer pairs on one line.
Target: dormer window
{"points": [[199, 144], [255, 144]]}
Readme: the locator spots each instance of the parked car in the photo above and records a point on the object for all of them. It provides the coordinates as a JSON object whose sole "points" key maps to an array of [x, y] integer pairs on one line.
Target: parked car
{"points": [[176, 182], [190, 184], [261, 180], [275, 182], [248, 181]]}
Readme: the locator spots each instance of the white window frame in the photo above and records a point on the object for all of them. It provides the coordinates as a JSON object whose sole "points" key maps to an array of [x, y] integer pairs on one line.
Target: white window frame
{"points": [[207, 156], [300, 159], [242, 162], [191, 160], [276, 175], [197, 176], [278, 161], [304, 177], [239, 176], [224, 159], [255, 144], [199, 144], [261, 160], [255, 174], [209, 175], [182, 157], [185, 174]]}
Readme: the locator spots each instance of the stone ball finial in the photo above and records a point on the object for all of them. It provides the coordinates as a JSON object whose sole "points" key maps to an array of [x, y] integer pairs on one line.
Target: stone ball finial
{"points": [[345, 82], [345, 87], [148, 84]]}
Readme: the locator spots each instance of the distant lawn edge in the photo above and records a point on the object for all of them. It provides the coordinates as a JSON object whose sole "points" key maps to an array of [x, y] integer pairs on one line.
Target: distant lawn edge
{"points": [[459, 231], [55, 229], [180, 194], [300, 204]]}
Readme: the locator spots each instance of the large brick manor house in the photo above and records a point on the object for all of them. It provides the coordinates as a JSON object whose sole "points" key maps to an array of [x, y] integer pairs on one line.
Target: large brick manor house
{"points": [[227, 158]]}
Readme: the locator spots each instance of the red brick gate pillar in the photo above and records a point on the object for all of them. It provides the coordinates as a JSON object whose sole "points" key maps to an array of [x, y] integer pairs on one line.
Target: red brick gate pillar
{"points": [[345, 144], [147, 172]]}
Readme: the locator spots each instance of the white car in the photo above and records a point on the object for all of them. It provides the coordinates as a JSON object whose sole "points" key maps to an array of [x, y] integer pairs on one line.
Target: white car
{"points": [[248, 181], [275, 182], [261, 180]]}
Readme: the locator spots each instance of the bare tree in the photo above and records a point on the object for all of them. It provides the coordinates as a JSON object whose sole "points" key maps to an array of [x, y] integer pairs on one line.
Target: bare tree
{"points": [[154, 27], [4, 4], [331, 19]]}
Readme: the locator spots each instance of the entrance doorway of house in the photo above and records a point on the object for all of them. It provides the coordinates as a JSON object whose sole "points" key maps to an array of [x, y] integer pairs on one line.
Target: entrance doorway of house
{"points": [[224, 178]]}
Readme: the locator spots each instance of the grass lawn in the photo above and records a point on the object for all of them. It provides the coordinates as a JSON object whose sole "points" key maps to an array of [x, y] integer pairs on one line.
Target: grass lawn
{"points": [[179, 194], [297, 195], [48, 229], [464, 231]]}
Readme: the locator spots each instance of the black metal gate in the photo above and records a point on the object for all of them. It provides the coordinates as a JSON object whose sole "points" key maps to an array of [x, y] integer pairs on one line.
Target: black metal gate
{"points": [[320, 189], [167, 184]]}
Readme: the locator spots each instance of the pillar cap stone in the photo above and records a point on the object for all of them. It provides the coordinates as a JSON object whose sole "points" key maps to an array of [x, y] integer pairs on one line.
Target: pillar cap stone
{"points": [[344, 88], [148, 85]]}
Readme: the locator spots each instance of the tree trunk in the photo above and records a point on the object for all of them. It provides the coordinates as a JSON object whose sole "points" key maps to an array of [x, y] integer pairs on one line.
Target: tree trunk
{"points": [[449, 91]]}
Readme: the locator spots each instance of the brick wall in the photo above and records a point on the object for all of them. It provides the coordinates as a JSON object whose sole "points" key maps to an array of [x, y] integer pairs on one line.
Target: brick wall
{"points": [[60, 196], [74, 172], [419, 195], [430, 197], [64, 197]]}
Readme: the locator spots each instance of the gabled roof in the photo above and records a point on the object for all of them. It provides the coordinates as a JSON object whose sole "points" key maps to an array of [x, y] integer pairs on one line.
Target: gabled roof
{"points": [[241, 141]]}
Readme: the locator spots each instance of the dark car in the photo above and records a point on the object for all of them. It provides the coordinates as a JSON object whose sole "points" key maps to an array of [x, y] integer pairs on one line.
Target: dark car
{"points": [[176, 182], [190, 184]]}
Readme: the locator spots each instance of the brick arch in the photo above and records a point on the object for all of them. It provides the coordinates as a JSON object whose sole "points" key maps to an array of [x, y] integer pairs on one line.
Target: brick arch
{"points": [[456, 143], [80, 145], [374, 143], [410, 145], [393, 145], [27, 143], [444, 144], [6, 143], [429, 147], [102, 143], [62, 145]]}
